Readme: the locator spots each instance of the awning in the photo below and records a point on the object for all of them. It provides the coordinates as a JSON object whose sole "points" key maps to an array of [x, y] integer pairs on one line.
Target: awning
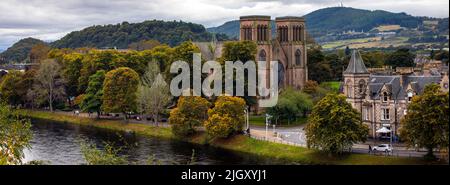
{"points": [[383, 130]]}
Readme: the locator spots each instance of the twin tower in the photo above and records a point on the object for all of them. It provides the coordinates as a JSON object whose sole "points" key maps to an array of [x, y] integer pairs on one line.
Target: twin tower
{"points": [[288, 47]]}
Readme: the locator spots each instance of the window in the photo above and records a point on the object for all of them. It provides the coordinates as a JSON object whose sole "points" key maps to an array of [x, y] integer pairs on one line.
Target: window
{"points": [[410, 95], [366, 113], [298, 58], [385, 97], [362, 87], [262, 55], [385, 114]]}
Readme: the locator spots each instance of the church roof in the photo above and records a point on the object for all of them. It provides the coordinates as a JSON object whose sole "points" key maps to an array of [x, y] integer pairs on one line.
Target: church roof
{"points": [[356, 64]]}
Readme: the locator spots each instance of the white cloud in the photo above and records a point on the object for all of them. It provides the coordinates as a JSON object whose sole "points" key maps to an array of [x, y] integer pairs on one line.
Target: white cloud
{"points": [[51, 19]]}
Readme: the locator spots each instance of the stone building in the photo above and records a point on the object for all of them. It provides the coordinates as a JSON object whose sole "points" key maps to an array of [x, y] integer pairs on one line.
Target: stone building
{"points": [[288, 47], [383, 99]]}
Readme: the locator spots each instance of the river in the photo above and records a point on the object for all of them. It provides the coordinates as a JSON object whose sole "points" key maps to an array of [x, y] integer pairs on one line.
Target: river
{"points": [[59, 144]]}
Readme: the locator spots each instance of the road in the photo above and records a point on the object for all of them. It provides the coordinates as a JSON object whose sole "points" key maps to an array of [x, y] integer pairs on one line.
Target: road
{"points": [[297, 135]]}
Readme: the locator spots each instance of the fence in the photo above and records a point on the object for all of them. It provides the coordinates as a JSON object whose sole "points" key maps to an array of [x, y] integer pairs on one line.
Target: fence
{"points": [[276, 140]]}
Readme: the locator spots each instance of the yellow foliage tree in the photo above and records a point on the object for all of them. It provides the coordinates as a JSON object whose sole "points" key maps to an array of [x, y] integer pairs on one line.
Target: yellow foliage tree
{"points": [[226, 118]]}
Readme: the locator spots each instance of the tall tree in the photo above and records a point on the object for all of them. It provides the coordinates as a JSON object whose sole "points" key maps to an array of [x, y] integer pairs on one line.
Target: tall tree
{"points": [[92, 100], [48, 82], [426, 121], [334, 125], [71, 72], [15, 135], [119, 90], [400, 58], [153, 93]]}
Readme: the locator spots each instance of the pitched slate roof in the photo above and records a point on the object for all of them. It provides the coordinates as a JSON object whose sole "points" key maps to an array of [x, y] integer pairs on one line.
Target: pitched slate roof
{"points": [[356, 64], [397, 85]]}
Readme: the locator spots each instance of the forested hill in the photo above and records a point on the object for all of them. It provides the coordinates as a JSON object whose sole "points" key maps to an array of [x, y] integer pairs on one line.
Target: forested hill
{"points": [[121, 35], [339, 19], [20, 50]]}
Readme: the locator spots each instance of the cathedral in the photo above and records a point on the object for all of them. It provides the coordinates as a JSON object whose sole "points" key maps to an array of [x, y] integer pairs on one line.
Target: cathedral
{"points": [[288, 47]]}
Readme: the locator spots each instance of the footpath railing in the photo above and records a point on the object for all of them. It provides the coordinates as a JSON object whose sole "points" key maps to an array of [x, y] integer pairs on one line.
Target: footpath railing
{"points": [[276, 140]]}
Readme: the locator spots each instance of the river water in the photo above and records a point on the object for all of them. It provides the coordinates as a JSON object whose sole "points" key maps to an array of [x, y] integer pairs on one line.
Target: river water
{"points": [[59, 144]]}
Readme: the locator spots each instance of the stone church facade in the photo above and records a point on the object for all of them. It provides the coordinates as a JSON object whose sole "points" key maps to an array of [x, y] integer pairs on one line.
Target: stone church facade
{"points": [[383, 99], [288, 47]]}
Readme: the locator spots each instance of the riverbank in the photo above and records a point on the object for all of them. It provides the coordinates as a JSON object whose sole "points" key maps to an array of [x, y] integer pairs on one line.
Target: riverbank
{"points": [[280, 152]]}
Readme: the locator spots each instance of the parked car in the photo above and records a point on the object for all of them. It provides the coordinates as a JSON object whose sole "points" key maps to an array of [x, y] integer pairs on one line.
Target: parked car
{"points": [[383, 148]]}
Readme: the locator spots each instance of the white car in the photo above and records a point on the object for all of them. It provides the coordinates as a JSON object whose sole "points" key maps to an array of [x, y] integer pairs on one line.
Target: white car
{"points": [[383, 148]]}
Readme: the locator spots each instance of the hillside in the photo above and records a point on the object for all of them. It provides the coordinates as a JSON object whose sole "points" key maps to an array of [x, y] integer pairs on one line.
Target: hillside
{"points": [[20, 50], [334, 20], [121, 35]]}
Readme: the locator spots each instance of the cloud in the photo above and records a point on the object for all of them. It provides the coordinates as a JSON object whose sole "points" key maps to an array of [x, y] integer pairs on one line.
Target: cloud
{"points": [[52, 19]]}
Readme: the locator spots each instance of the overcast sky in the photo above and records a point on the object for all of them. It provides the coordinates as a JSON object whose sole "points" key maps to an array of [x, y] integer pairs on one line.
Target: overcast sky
{"points": [[51, 19]]}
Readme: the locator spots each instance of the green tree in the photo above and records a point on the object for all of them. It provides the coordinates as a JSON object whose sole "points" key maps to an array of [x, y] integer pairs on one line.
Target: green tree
{"points": [[240, 51], [191, 111], [426, 121], [92, 100], [226, 118], [400, 58], [334, 125], [291, 105], [119, 90], [15, 135], [9, 87]]}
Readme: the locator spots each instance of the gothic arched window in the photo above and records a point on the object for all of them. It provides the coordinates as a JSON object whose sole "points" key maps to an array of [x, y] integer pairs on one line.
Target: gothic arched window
{"points": [[262, 55], [362, 86], [298, 57]]}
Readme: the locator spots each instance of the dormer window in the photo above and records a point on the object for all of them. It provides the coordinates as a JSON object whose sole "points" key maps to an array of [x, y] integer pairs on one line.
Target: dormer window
{"points": [[410, 95], [385, 97]]}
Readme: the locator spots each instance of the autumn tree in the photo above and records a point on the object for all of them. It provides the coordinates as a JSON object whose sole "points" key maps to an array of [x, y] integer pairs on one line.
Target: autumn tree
{"points": [[119, 90], [153, 92], [48, 82], [226, 118], [334, 125], [92, 100], [191, 111], [426, 121], [71, 72], [39, 52], [15, 135]]}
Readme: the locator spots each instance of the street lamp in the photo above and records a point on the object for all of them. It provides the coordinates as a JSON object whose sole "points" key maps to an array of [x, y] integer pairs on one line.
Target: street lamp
{"points": [[246, 117], [268, 116]]}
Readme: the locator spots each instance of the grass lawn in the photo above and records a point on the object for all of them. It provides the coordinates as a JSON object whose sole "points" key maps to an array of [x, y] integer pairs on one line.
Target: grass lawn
{"points": [[284, 154]]}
